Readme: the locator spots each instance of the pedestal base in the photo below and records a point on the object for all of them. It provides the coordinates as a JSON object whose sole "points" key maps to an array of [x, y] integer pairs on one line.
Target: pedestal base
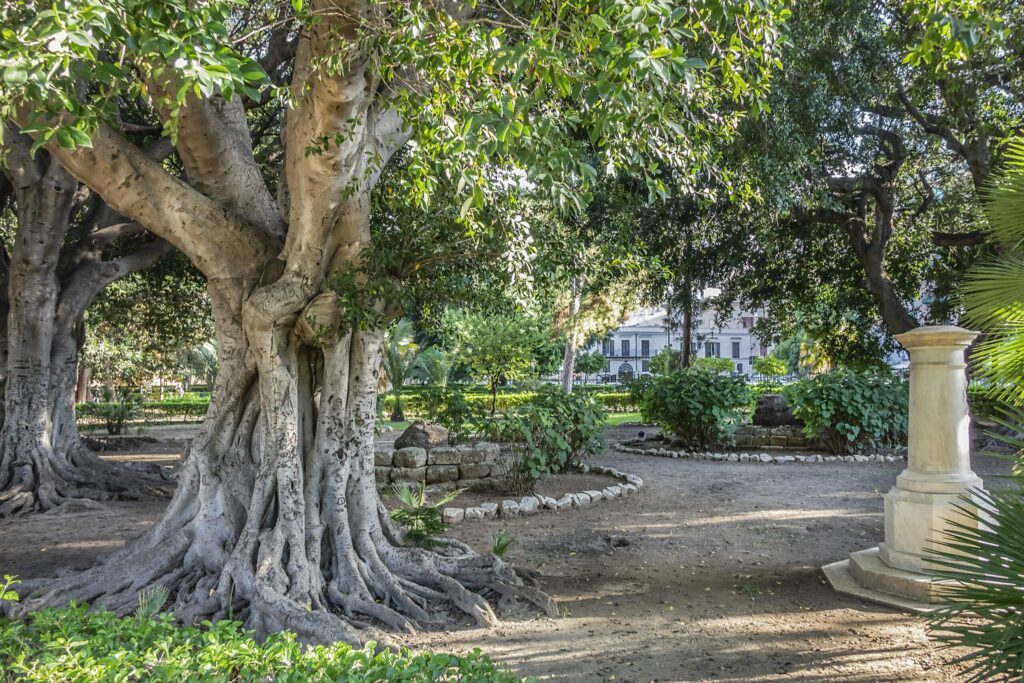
{"points": [[865, 576]]}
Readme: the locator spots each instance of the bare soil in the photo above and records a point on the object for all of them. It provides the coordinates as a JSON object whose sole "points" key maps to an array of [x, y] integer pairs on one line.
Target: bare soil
{"points": [[720, 579]]}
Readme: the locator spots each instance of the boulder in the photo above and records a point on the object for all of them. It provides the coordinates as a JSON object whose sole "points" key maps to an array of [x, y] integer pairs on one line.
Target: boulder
{"points": [[410, 456], [382, 458], [382, 474], [474, 513], [443, 455], [423, 435], [408, 474], [509, 508], [528, 505], [452, 515], [490, 509], [773, 411], [474, 471], [436, 473]]}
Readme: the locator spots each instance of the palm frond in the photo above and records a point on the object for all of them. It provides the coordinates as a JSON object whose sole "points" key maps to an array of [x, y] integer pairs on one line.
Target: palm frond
{"points": [[151, 601], [1004, 207]]}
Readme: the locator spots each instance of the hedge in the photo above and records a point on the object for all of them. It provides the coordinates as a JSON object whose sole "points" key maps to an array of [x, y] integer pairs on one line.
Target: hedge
{"points": [[414, 403]]}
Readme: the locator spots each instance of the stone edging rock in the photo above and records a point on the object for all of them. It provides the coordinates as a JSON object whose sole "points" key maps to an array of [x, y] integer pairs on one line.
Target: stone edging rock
{"points": [[754, 457], [529, 505]]}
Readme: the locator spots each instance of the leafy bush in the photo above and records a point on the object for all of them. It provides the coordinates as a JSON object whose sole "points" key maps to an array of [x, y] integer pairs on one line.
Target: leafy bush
{"points": [[420, 519], [450, 408], [982, 560], [769, 366], [713, 364], [699, 406], [847, 409], [554, 432], [425, 402], [76, 644], [113, 415]]}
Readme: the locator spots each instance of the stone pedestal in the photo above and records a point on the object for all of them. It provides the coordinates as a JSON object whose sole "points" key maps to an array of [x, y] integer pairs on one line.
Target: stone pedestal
{"points": [[928, 492]]}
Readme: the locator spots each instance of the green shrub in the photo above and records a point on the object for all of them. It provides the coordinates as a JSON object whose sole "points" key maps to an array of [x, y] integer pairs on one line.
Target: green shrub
{"points": [[421, 520], [554, 432], [76, 644], [113, 415], [697, 405], [851, 409], [713, 364], [769, 366]]}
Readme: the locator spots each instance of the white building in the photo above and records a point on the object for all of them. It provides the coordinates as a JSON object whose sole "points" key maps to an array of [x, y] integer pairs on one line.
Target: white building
{"points": [[630, 348]]}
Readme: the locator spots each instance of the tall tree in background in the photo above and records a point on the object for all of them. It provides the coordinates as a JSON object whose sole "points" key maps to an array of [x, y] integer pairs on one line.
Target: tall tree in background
{"points": [[276, 518], [398, 360]]}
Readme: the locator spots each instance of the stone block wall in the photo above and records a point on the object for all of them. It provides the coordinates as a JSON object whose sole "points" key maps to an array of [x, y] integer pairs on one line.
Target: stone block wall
{"points": [[786, 436], [477, 466]]}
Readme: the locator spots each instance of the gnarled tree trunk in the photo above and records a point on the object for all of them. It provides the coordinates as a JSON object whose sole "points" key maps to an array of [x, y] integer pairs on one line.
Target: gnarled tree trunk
{"points": [[43, 462]]}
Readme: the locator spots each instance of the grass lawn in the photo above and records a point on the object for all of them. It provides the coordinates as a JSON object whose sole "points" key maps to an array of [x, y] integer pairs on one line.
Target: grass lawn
{"points": [[615, 419]]}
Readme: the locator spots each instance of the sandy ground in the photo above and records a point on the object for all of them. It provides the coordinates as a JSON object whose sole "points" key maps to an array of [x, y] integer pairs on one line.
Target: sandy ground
{"points": [[720, 579]]}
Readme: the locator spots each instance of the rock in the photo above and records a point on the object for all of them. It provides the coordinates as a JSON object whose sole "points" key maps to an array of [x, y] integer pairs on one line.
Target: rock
{"points": [[487, 451], [475, 484], [613, 491], [617, 541], [563, 503], [830, 458], [778, 440], [629, 489], [474, 513], [440, 488], [490, 509], [594, 496], [583, 498], [382, 474], [509, 508], [733, 457], [786, 458], [549, 503], [412, 456], [453, 515], [772, 411], [744, 457], [382, 458], [436, 473], [474, 471], [443, 455], [635, 480], [469, 454], [423, 435], [764, 457], [584, 468], [860, 458], [408, 474], [528, 505]]}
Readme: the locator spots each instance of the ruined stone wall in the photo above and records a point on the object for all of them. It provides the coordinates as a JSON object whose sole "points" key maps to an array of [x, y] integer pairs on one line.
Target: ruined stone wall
{"points": [[476, 466]]}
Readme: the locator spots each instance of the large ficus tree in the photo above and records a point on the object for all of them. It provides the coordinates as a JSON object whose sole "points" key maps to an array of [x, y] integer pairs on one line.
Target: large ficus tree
{"points": [[276, 518]]}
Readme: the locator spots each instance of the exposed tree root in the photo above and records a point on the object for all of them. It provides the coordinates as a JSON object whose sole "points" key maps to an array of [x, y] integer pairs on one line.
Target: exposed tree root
{"points": [[40, 480]]}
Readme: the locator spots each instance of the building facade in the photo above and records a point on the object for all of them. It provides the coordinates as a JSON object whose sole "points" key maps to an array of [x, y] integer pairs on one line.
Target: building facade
{"points": [[630, 348]]}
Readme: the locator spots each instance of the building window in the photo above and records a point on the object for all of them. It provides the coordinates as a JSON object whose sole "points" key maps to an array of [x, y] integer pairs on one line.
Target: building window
{"points": [[645, 366], [608, 347], [739, 367], [748, 322], [625, 348], [645, 347], [711, 349], [694, 347], [735, 348], [764, 350], [625, 371]]}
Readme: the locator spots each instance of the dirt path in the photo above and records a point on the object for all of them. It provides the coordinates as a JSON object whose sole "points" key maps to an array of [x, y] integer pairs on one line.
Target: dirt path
{"points": [[720, 580]]}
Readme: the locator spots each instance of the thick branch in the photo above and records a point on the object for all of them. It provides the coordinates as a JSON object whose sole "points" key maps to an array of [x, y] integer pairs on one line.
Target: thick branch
{"points": [[217, 241]]}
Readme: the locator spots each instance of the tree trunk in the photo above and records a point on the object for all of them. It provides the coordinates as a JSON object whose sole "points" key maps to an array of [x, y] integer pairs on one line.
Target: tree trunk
{"points": [[44, 464], [277, 520], [569, 357], [685, 339], [82, 386], [397, 414]]}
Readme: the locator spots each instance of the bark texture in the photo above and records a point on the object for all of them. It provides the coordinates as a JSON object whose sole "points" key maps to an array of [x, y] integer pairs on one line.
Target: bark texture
{"points": [[43, 462], [276, 519]]}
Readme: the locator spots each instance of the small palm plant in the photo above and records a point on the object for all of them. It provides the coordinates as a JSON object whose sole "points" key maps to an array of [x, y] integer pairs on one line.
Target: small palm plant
{"points": [[982, 557], [982, 552], [420, 519], [398, 361], [433, 365]]}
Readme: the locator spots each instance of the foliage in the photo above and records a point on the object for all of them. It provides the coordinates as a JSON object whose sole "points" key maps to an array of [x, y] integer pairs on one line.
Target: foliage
{"points": [[496, 348], [769, 366], [433, 366], [718, 365], [697, 405], [994, 289], [421, 520], [501, 543], [590, 363], [850, 409], [664, 361], [114, 415], [554, 432], [450, 408], [76, 643], [397, 360], [981, 555]]}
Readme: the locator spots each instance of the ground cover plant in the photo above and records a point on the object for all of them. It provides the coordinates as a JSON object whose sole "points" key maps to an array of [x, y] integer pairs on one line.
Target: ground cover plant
{"points": [[851, 409], [75, 643]]}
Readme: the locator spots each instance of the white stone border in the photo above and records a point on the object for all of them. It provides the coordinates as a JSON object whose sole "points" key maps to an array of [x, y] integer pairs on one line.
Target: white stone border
{"points": [[529, 505], [754, 457]]}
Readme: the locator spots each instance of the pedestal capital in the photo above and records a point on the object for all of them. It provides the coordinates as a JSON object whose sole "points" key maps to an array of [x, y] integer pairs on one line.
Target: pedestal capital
{"points": [[937, 336]]}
